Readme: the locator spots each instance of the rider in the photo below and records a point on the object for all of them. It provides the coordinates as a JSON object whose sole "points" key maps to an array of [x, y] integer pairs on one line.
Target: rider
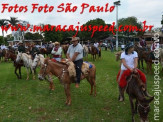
{"points": [[96, 44], [34, 51], [21, 47], [75, 54], [142, 42], [57, 51], [129, 59]]}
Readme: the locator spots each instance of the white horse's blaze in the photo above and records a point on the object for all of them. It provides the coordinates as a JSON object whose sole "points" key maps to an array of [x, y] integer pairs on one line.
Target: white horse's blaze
{"points": [[39, 59]]}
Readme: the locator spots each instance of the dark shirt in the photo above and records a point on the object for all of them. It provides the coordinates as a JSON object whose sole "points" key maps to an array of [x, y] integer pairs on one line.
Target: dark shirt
{"points": [[21, 48], [35, 50]]}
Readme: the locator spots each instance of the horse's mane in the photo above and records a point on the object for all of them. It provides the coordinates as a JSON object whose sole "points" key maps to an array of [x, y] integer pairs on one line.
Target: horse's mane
{"points": [[136, 82], [47, 61]]}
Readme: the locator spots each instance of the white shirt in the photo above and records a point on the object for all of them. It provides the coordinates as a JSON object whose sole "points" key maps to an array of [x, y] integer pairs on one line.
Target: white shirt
{"points": [[78, 48], [122, 46], [96, 45], [129, 59], [156, 46]]}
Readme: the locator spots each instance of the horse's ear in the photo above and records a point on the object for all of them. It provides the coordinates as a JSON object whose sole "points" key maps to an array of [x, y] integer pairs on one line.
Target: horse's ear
{"points": [[150, 99]]}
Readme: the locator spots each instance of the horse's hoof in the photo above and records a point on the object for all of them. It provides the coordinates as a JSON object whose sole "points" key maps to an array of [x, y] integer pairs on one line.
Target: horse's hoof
{"points": [[95, 95], [52, 89], [27, 79]]}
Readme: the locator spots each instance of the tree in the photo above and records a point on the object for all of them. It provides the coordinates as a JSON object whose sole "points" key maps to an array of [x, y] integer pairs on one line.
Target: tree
{"points": [[3, 22], [130, 21], [13, 21], [32, 36], [86, 35]]}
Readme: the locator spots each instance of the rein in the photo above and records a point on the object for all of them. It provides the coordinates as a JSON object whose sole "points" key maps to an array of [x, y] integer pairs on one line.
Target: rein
{"points": [[145, 108]]}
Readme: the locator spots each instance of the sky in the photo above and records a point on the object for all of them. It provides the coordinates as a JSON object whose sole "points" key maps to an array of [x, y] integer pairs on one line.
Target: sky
{"points": [[149, 10]]}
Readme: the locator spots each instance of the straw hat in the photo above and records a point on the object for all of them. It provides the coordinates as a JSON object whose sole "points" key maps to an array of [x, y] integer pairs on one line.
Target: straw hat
{"points": [[56, 43], [74, 39], [20, 42]]}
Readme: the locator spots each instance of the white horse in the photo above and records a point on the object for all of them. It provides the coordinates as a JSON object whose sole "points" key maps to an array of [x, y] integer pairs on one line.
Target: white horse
{"points": [[86, 50], [27, 60], [38, 61]]}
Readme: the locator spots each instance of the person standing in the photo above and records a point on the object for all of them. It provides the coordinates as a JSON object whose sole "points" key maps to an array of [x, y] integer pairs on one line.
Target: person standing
{"points": [[57, 51], [75, 54]]}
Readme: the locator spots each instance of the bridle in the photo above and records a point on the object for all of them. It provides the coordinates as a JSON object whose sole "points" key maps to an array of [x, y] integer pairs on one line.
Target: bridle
{"points": [[144, 108]]}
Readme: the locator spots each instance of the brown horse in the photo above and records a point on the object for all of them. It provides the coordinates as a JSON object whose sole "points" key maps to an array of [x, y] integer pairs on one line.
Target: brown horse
{"points": [[65, 48], [60, 70], [12, 56], [94, 52], [136, 89]]}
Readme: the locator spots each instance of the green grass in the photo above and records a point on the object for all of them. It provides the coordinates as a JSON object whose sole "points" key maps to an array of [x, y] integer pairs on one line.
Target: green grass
{"points": [[31, 101]]}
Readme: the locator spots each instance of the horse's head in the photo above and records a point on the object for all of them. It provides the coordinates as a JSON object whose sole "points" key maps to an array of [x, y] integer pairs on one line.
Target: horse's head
{"points": [[44, 70], [19, 57], [144, 108], [35, 61]]}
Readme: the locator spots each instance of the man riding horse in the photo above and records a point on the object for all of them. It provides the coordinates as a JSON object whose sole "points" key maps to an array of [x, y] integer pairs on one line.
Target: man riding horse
{"points": [[75, 54]]}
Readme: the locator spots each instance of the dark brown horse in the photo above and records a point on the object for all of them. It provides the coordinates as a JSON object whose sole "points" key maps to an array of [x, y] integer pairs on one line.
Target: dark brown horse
{"points": [[94, 52], [2, 54], [60, 70], [12, 56], [136, 89]]}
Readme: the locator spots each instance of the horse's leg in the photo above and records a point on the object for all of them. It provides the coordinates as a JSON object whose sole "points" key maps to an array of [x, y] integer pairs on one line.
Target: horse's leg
{"points": [[27, 73], [33, 74], [16, 67], [67, 92], [20, 72], [139, 63], [51, 85], [132, 108], [136, 106], [142, 64]]}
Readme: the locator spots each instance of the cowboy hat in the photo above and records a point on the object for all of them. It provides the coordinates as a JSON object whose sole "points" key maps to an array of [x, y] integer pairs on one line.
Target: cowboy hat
{"points": [[56, 43], [74, 39]]}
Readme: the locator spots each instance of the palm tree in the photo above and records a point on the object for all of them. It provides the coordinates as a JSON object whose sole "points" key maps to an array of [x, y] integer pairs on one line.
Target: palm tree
{"points": [[13, 21], [3, 22]]}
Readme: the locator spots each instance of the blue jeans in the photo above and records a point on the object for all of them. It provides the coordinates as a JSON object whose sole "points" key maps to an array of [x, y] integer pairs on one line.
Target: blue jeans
{"points": [[78, 65]]}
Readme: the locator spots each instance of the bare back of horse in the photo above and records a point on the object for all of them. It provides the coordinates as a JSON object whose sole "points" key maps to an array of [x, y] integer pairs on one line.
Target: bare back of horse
{"points": [[60, 70]]}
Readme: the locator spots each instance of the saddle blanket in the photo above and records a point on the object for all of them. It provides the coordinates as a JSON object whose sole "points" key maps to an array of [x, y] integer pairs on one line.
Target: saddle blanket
{"points": [[126, 73]]}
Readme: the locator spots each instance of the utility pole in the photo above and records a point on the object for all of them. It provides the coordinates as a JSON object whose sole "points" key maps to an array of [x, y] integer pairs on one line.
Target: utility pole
{"points": [[117, 3]]}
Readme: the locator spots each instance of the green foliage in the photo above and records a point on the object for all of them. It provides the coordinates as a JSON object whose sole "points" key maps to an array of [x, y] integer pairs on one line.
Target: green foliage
{"points": [[33, 36], [130, 21], [86, 35], [162, 22]]}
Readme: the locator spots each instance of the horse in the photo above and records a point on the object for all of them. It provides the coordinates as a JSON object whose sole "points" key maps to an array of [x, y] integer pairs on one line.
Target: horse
{"points": [[85, 51], [141, 55], [38, 60], [95, 52], [60, 70], [12, 56], [65, 48], [136, 89], [2, 54], [27, 60]]}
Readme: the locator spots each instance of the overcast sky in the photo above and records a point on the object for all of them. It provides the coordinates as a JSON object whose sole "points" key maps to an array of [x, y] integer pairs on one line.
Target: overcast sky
{"points": [[149, 10]]}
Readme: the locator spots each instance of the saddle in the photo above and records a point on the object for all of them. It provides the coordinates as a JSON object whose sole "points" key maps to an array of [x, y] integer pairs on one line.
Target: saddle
{"points": [[126, 73]]}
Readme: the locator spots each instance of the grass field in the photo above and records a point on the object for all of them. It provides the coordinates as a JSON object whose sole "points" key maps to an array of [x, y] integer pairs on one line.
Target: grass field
{"points": [[31, 101]]}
